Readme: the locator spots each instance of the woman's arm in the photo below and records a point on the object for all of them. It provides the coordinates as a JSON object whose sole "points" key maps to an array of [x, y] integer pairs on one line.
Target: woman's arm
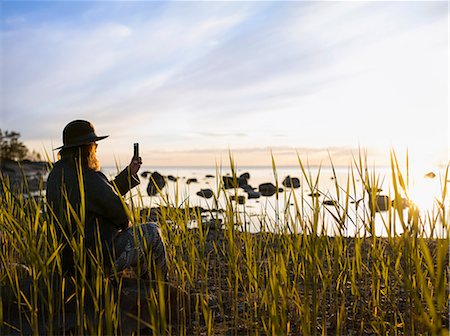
{"points": [[103, 200], [128, 178]]}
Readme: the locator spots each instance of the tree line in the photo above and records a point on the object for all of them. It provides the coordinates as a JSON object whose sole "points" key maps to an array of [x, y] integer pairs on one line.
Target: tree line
{"points": [[11, 148]]}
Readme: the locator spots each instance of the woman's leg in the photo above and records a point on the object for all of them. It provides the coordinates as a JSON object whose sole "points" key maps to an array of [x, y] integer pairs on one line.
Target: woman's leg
{"points": [[141, 245]]}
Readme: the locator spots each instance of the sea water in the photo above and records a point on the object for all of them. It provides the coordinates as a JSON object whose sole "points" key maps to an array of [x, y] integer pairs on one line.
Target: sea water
{"points": [[291, 209]]}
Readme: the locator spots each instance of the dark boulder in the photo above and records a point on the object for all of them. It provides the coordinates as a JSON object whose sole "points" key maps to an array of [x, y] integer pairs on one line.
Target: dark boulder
{"points": [[245, 176], [252, 194], [243, 180], [239, 199], [206, 193], [248, 187], [145, 174], [382, 203], [291, 182], [230, 182], [330, 202], [209, 176], [379, 204], [157, 182], [172, 178], [191, 180], [267, 189]]}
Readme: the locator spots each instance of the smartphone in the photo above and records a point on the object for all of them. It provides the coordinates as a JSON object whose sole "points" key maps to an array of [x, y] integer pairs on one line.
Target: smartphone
{"points": [[136, 150]]}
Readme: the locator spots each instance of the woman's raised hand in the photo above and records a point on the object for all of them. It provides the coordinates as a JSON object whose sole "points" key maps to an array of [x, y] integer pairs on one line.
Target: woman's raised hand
{"points": [[135, 165]]}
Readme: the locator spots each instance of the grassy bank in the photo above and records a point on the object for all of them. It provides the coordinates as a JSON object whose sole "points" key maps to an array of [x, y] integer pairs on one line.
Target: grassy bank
{"points": [[296, 281]]}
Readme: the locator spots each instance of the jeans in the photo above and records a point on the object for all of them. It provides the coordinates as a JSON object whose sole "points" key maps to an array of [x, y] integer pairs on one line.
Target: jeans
{"points": [[142, 248]]}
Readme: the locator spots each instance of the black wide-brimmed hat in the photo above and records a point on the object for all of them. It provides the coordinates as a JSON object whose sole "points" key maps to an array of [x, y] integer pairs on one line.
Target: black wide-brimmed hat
{"points": [[78, 133]]}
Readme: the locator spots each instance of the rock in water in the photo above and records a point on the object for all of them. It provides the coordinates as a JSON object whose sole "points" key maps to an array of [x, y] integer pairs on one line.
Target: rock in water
{"points": [[291, 182], [206, 193], [239, 199], [382, 203], [172, 178], [245, 176], [157, 182], [191, 180], [243, 180], [330, 202], [252, 194], [248, 187], [228, 182], [267, 189]]}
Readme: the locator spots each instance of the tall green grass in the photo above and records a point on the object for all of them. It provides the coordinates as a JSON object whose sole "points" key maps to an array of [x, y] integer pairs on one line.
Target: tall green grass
{"points": [[292, 280]]}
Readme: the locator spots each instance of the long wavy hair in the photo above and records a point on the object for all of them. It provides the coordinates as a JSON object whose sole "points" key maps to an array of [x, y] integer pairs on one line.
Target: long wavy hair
{"points": [[86, 155]]}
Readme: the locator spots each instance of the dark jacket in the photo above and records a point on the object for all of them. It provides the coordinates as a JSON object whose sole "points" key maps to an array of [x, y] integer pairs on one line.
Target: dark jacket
{"points": [[104, 210]]}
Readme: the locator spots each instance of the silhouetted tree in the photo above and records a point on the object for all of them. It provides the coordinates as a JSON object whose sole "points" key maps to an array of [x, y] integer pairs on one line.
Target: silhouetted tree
{"points": [[10, 146]]}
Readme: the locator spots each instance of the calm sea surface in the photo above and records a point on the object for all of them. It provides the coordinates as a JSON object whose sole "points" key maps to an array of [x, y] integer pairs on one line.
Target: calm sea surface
{"points": [[292, 205]]}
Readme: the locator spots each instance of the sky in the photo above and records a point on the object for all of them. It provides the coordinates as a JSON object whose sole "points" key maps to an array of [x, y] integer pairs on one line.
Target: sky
{"points": [[193, 82]]}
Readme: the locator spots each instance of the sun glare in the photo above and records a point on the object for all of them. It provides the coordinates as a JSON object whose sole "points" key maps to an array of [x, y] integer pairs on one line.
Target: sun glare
{"points": [[424, 190]]}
